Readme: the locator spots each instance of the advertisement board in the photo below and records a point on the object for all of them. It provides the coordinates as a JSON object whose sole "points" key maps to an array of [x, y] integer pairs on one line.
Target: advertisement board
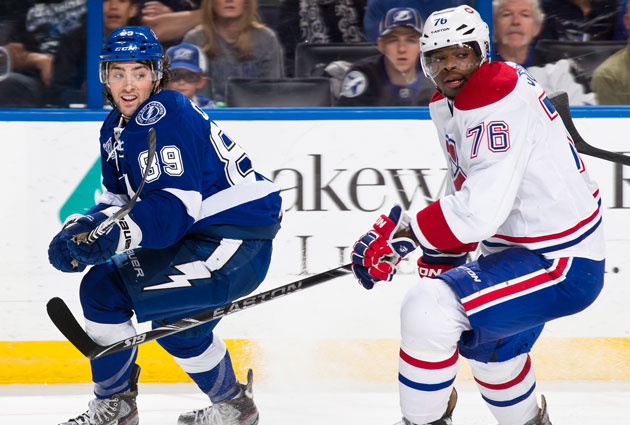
{"points": [[337, 177]]}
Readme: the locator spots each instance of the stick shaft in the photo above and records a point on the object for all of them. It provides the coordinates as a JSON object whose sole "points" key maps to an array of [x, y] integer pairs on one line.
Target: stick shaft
{"points": [[65, 321], [560, 101], [104, 226]]}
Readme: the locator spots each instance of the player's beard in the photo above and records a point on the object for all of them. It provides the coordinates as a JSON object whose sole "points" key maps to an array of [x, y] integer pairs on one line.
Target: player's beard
{"points": [[448, 90]]}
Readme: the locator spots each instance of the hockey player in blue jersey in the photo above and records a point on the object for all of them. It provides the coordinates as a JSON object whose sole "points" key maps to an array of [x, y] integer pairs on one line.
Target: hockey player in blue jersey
{"points": [[515, 186], [199, 236]]}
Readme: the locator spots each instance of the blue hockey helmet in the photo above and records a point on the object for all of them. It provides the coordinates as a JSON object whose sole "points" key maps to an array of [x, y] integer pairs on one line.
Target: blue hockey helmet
{"points": [[132, 43]]}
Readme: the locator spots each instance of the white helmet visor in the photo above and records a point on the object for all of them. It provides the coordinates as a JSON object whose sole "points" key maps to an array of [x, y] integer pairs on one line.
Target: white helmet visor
{"points": [[460, 57]]}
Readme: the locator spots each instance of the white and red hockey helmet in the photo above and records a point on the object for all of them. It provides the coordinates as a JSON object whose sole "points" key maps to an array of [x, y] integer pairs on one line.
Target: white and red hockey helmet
{"points": [[458, 26]]}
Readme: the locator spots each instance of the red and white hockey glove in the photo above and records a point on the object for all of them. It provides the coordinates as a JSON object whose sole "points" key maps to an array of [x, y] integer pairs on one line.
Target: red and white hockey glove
{"points": [[376, 254], [434, 262]]}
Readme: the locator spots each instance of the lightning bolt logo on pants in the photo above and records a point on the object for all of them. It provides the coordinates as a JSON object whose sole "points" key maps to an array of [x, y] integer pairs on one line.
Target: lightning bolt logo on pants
{"points": [[190, 271], [196, 270]]}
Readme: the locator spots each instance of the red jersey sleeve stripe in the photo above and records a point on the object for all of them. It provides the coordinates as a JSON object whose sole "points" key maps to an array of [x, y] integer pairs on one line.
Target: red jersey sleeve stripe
{"points": [[435, 229]]}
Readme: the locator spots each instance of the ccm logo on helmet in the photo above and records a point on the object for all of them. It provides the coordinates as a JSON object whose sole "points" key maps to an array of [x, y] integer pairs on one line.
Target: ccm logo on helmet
{"points": [[469, 10]]}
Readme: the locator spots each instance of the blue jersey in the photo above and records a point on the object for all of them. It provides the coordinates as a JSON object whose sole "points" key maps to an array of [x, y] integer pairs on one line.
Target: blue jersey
{"points": [[198, 178]]}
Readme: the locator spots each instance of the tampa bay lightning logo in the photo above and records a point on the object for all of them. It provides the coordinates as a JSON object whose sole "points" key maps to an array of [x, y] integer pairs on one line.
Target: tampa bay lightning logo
{"points": [[354, 84], [151, 113], [403, 15]]}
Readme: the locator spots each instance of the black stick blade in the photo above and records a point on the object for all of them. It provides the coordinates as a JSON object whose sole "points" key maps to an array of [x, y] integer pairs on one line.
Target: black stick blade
{"points": [[64, 320]]}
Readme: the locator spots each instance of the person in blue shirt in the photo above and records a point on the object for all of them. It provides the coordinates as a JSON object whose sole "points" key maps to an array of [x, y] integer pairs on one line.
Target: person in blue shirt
{"points": [[199, 236], [621, 31]]}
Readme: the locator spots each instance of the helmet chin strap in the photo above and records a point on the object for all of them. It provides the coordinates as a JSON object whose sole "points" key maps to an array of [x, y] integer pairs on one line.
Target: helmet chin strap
{"points": [[156, 84], [156, 87]]}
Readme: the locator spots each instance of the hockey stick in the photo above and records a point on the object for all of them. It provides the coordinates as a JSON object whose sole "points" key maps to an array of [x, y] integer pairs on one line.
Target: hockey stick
{"points": [[65, 321], [101, 229], [560, 101]]}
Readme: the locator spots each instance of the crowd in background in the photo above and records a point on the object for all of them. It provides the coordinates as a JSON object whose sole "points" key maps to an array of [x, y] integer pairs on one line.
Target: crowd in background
{"points": [[43, 46]]}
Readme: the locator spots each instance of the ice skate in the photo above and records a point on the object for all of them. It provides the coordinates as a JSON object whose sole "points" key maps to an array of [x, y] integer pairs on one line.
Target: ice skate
{"points": [[446, 418], [543, 417], [119, 409], [240, 410]]}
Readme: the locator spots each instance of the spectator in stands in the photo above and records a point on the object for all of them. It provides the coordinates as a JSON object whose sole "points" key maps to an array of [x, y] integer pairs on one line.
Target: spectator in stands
{"points": [[318, 21], [68, 85], [516, 24], [152, 8], [188, 66], [235, 43], [12, 16], [169, 14], [376, 9], [12, 13], [621, 32], [33, 44], [611, 79], [579, 20], [171, 27], [394, 77]]}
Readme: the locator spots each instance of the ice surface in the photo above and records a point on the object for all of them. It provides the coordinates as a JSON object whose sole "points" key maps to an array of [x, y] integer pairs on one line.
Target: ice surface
{"points": [[570, 403]]}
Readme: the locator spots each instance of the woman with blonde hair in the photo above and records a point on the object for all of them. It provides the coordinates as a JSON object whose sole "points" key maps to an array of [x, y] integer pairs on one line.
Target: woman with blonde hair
{"points": [[235, 43]]}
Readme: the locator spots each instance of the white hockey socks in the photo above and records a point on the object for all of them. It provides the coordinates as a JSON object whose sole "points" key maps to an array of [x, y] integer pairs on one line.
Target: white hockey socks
{"points": [[508, 388], [432, 320]]}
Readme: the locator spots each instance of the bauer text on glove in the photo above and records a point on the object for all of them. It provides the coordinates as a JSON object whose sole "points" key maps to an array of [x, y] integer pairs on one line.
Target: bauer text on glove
{"points": [[121, 236]]}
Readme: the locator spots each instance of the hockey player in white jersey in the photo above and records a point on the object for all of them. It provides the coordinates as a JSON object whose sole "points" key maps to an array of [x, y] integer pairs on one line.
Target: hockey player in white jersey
{"points": [[517, 188]]}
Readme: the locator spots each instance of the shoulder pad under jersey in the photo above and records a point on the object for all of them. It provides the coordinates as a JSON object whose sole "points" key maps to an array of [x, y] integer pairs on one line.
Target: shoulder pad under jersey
{"points": [[489, 84]]}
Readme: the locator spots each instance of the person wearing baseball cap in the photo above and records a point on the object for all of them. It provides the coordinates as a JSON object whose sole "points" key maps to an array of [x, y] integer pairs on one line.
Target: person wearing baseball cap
{"points": [[188, 68], [400, 17], [375, 10], [393, 77]]}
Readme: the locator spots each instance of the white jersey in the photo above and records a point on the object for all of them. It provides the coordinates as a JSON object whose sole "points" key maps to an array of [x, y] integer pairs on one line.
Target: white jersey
{"points": [[515, 178]]}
